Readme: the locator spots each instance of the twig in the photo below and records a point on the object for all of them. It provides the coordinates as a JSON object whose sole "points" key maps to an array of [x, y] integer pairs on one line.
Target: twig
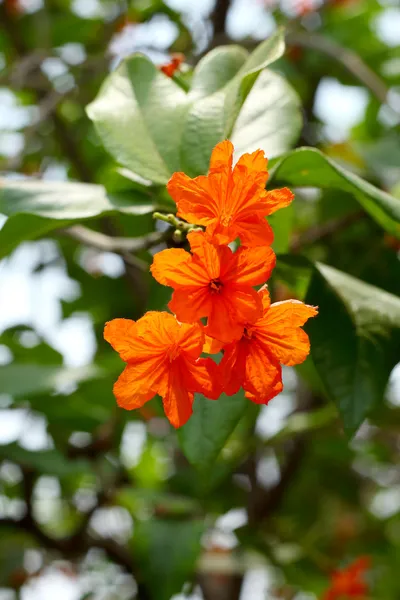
{"points": [[325, 230], [219, 15], [349, 59], [119, 245]]}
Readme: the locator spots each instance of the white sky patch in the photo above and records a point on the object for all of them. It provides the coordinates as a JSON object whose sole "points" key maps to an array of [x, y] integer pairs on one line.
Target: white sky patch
{"points": [[340, 107]]}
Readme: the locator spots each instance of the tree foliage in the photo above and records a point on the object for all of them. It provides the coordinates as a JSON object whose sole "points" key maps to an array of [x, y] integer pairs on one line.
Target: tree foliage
{"points": [[130, 506]]}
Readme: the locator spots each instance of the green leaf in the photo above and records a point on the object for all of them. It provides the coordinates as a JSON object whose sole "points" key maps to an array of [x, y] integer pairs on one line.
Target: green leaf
{"points": [[208, 429], [167, 551], [270, 118], [34, 208], [216, 69], [307, 167], [29, 379], [212, 118], [355, 339], [139, 114]]}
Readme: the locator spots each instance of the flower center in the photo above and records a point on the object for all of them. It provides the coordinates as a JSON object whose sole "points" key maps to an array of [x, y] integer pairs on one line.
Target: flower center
{"points": [[225, 219], [215, 286], [248, 332], [173, 352]]}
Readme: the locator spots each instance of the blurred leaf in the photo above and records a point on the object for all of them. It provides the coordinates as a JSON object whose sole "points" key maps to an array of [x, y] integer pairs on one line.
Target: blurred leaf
{"points": [[216, 69], [35, 208], [208, 429], [355, 339], [308, 167], [28, 379], [270, 118], [139, 115], [167, 551]]}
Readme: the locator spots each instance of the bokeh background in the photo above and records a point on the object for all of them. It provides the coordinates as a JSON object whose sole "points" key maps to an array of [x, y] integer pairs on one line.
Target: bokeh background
{"points": [[82, 484]]}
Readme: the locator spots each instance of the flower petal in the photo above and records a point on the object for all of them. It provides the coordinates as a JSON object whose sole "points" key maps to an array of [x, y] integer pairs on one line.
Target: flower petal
{"points": [[212, 346], [202, 376], [280, 332], [222, 158], [254, 230], [276, 199], [138, 382], [190, 340], [232, 367], [120, 333], [207, 255], [250, 266], [175, 267], [177, 400], [263, 379], [194, 198], [190, 304], [230, 311]]}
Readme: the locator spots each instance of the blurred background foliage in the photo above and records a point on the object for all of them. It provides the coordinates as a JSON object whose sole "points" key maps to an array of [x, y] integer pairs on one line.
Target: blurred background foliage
{"points": [[98, 503]]}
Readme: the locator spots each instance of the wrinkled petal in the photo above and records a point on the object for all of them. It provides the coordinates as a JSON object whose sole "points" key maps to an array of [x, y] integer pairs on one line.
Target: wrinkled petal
{"points": [[193, 198], [202, 376], [177, 400], [222, 158], [139, 382], [230, 311], [207, 255], [280, 331], [254, 230], [190, 340], [212, 346], [120, 333], [175, 267], [233, 367], [190, 305], [124, 336], [249, 266], [276, 199], [274, 391], [263, 374]]}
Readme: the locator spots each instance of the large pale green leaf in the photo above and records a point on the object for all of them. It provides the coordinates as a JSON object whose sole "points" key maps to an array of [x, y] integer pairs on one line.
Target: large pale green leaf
{"points": [[29, 379], [150, 125], [139, 114], [34, 208], [167, 551], [355, 339], [208, 429], [212, 118], [270, 118], [309, 167]]}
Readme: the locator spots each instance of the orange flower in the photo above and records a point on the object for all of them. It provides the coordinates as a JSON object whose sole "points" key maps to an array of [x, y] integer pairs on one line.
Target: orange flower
{"points": [[176, 61], [349, 582], [254, 362], [215, 282], [162, 358], [228, 203]]}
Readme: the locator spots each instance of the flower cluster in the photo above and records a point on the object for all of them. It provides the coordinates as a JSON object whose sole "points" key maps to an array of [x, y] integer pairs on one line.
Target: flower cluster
{"points": [[215, 303], [349, 582]]}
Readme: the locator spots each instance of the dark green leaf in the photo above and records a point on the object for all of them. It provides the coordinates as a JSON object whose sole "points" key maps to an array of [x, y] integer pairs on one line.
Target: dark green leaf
{"points": [[208, 429], [308, 167], [167, 551]]}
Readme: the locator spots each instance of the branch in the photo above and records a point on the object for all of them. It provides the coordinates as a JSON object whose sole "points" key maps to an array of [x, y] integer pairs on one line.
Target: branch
{"points": [[349, 59], [119, 245], [218, 16]]}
